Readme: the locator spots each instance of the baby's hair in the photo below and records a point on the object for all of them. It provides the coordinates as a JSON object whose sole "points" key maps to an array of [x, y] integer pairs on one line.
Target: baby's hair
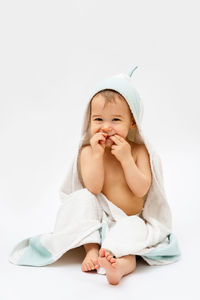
{"points": [[109, 96]]}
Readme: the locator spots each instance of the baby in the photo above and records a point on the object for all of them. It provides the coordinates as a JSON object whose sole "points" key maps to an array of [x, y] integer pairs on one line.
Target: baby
{"points": [[108, 165], [116, 182]]}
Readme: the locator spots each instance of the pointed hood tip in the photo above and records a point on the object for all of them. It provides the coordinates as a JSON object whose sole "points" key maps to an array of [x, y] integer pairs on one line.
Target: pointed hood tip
{"points": [[132, 70]]}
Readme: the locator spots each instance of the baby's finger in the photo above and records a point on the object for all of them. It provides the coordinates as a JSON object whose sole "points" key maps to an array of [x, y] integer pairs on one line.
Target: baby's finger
{"points": [[115, 139], [104, 134], [102, 138], [119, 137]]}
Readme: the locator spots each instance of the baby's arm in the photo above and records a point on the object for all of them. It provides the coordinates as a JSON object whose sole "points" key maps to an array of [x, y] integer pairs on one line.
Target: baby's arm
{"points": [[92, 169], [138, 175]]}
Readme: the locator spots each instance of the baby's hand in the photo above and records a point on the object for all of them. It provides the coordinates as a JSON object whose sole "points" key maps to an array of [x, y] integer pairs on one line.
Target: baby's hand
{"points": [[97, 142], [121, 148]]}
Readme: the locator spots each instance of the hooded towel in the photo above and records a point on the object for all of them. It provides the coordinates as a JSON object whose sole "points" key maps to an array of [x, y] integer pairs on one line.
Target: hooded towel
{"points": [[87, 218]]}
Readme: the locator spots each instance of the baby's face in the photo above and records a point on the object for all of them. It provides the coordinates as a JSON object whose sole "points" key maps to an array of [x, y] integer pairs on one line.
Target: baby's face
{"points": [[112, 119]]}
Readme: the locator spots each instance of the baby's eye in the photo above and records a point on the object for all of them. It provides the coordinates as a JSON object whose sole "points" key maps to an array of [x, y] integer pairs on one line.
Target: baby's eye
{"points": [[99, 119]]}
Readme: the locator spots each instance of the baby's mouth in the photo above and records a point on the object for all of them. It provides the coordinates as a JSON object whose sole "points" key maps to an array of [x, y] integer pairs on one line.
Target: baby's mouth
{"points": [[108, 137], [108, 141]]}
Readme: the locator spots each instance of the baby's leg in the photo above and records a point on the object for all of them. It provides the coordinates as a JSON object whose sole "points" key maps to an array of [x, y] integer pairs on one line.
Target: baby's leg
{"points": [[116, 268], [90, 261]]}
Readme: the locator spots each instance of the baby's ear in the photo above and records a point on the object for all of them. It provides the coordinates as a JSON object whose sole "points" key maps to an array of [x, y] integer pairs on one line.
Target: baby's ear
{"points": [[133, 126], [133, 123]]}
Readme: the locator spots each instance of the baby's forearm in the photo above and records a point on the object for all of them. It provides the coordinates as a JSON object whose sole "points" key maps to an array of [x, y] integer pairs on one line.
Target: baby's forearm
{"points": [[95, 174], [135, 179]]}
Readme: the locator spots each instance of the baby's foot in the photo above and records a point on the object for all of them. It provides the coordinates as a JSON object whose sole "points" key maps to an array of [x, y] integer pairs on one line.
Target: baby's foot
{"points": [[90, 261], [109, 263]]}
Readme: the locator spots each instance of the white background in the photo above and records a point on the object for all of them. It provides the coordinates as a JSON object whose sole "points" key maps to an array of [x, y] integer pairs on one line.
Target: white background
{"points": [[51, 54]]}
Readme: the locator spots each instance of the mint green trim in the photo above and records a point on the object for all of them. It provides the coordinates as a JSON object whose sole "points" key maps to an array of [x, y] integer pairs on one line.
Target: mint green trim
{"points": [[103, 232], [169, 252], [35, 254], [132, 70]]}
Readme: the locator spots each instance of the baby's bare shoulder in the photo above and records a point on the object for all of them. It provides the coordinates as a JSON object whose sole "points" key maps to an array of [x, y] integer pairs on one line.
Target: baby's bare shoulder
{"points": [[143, 161], [140, 147], [84, 152], [85, 148], [134, 149], [141, 150]]}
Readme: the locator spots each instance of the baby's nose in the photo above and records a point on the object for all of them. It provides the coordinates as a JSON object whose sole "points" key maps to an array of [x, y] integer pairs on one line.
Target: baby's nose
{"points": [[107, 129]]}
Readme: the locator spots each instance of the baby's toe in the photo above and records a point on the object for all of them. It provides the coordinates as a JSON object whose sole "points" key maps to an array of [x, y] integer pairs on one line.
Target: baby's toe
{"points": [[112, 260], [107, 254], [87, 267], [101, 252], [90, 266], [96, 264]]}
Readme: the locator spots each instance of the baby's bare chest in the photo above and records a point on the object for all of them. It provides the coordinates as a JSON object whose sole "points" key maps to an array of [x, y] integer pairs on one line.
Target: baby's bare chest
{"points": [[116, 189], [113, 172]]}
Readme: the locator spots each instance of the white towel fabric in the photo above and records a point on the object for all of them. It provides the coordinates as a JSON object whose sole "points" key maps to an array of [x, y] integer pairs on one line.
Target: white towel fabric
{"points": [[84, 217]]}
